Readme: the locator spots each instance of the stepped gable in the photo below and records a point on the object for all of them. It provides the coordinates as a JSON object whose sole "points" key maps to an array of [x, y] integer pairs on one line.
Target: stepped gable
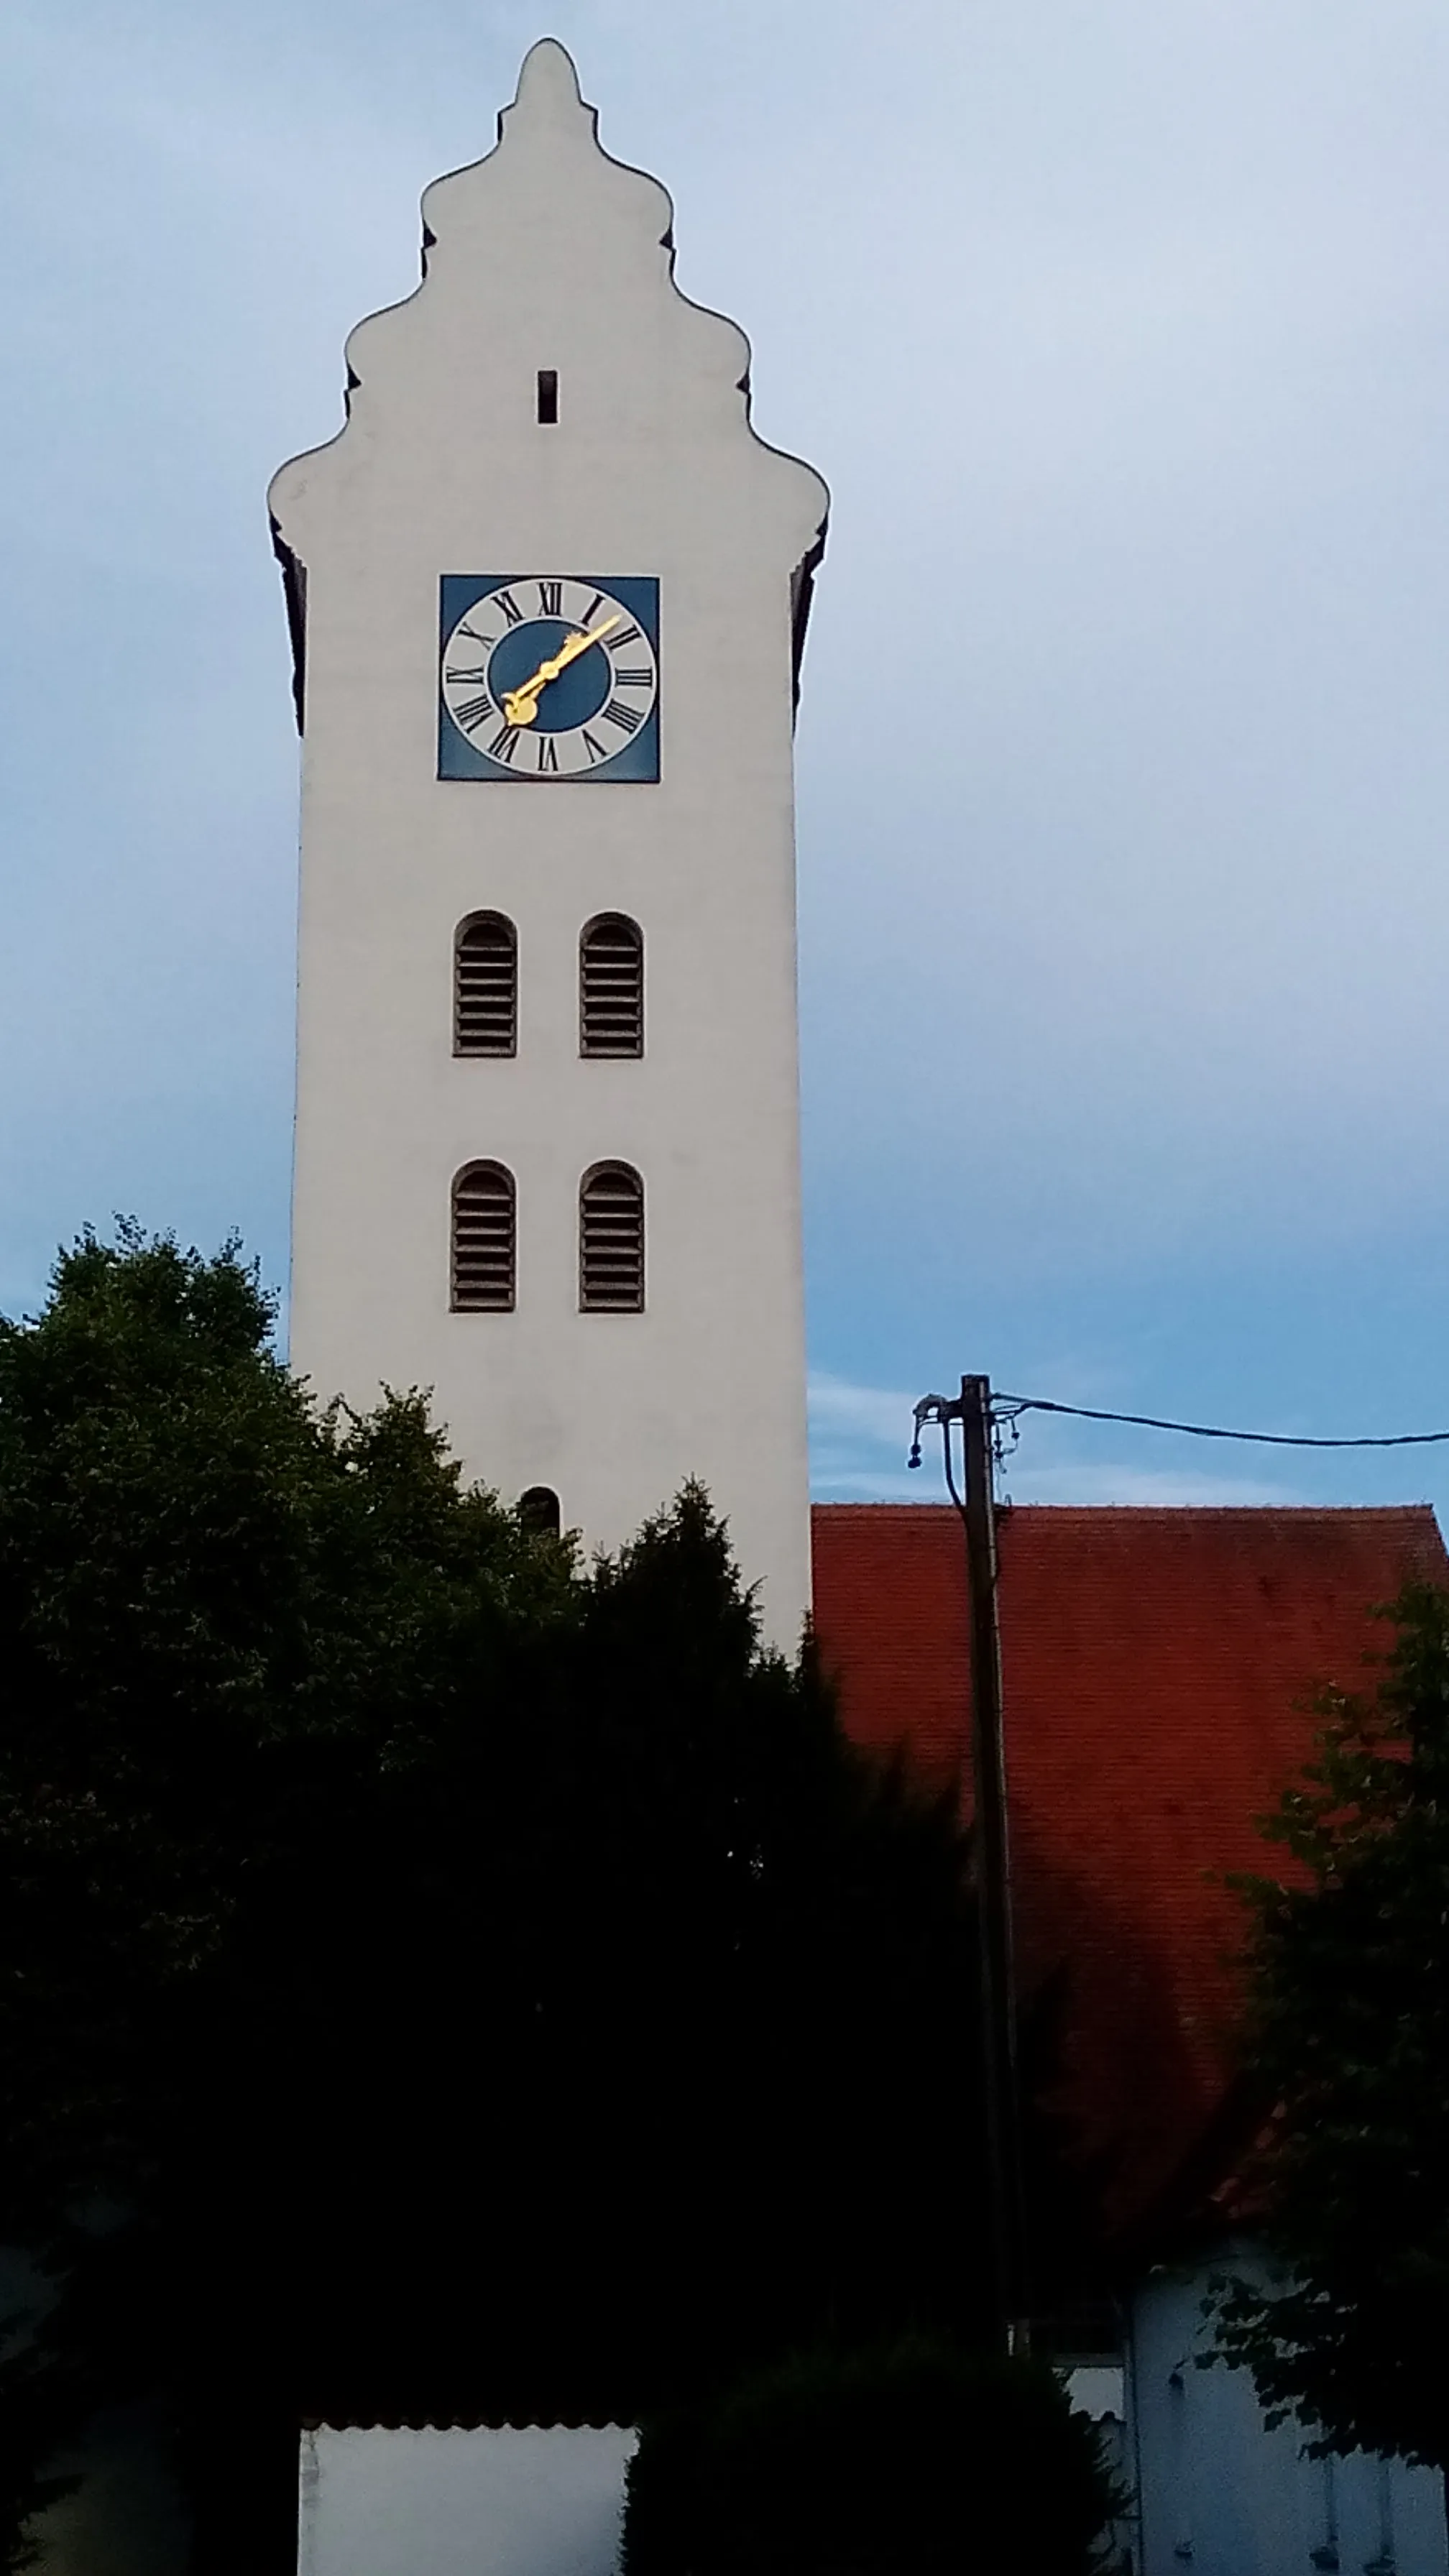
{"points": [[1156, 1667]]}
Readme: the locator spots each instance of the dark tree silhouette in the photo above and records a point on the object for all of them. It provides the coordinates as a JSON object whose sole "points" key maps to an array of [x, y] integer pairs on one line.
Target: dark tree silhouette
{"points": [[441, 1981], [1349, 2039], [905, 2459]]}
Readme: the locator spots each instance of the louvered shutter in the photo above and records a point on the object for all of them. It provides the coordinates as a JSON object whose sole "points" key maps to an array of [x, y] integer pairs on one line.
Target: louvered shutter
{"points": [[485, 986], [611, 986], [483, 1240], [611, 1240]]}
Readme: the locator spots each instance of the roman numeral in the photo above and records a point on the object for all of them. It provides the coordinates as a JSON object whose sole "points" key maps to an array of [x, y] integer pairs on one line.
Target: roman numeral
{"points": [[630, 635], [594, 749], [487, 641], [472, 712], [624, 717], [547, 756], [550, 599], [504, 743], [642, 679], [481, 673], [597, 601], [505, 600]]}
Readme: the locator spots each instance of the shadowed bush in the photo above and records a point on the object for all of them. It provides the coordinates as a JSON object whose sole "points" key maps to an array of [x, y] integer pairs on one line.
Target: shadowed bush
{"points": [[905, 2459], [469, 1983]]}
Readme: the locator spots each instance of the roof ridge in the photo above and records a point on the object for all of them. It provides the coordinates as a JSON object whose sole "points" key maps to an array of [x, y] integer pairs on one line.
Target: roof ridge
{"points": [[1168, 1511]]}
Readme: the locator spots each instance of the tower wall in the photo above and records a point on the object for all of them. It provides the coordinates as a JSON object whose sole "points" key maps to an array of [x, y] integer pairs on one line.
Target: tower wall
{"points": [[550, 255]]}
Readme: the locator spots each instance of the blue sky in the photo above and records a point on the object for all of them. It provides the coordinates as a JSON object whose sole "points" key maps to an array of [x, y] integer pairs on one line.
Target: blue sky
{"points": [[1120, 333]]}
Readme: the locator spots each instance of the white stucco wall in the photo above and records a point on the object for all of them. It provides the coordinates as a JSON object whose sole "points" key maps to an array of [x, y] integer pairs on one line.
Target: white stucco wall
{"points": [[549, 254], [536, 2501], [1220, 2494]]}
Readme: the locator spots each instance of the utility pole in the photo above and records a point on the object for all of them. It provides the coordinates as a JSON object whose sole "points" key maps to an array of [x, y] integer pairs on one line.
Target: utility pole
{"points": [[992, 1854]]}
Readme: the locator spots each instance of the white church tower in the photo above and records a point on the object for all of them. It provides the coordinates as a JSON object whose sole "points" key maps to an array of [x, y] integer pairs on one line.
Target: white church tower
{"points": [[548, 593]]}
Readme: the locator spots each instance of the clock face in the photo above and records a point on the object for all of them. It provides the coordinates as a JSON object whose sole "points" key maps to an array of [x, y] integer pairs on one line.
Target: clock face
{"points": [[548, 676]]}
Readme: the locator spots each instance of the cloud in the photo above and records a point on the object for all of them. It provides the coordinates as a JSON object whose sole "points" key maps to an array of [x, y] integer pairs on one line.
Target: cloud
{"points": [[1114, 1481], [1120, 335], [842, 1412], [859, 1434]]}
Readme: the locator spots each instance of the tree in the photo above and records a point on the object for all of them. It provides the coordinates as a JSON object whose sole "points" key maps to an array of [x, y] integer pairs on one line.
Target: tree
{"points": [[1349, 2039], [904, 2459], [440, 1980], [220, 1616]]}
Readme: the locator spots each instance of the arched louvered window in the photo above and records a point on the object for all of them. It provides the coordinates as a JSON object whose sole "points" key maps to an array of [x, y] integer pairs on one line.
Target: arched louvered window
{"points": [[539, 1511], [485, 986], [611, 986], [611, 1240], [483, 1240]]}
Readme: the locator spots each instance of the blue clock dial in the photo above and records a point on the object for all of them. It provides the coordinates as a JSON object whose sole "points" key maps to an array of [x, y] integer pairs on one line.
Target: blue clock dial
{"points": [[549, 676], [568, 700]]}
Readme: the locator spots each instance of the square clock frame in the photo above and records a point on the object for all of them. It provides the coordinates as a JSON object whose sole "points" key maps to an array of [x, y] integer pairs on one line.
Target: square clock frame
{"points": [[548, 678]]}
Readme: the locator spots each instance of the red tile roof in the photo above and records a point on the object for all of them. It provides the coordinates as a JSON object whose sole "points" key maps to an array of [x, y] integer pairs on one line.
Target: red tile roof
{"points": [[1155, 1666]]}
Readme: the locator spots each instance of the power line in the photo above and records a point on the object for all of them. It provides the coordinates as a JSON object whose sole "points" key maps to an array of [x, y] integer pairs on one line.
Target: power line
{"points": [[1007, 1407]]}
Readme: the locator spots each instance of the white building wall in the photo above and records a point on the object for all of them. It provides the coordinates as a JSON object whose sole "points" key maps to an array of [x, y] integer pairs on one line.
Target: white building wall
{"points": [[1221, 2495], [535, 2500], [549, 254]]}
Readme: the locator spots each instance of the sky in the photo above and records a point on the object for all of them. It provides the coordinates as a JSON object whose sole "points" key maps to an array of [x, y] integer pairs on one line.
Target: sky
{"points": [[1118, 328]]}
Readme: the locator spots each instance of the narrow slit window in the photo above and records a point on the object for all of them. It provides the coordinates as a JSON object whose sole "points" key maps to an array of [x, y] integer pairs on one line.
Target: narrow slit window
{"points": [[611, 1240], [611, 986], [484, 1240], [485, 986], [548, 394]]}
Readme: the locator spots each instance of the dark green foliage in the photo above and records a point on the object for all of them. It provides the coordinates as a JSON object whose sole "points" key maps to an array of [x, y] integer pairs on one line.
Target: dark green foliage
{"points": [[222, 1621], [1350, 2039], [909, 2458], [437, 1980]]}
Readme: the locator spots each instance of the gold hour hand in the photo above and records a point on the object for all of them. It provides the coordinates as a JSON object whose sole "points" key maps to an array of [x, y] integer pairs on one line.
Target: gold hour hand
{"points": [[520, 705]]}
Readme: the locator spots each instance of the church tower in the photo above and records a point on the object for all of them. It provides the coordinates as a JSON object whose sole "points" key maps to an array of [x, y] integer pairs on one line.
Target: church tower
{"points": [[548, 593]]}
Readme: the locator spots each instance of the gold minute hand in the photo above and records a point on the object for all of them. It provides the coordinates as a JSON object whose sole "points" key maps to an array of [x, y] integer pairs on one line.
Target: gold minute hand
{"points": [[520, 705]]}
